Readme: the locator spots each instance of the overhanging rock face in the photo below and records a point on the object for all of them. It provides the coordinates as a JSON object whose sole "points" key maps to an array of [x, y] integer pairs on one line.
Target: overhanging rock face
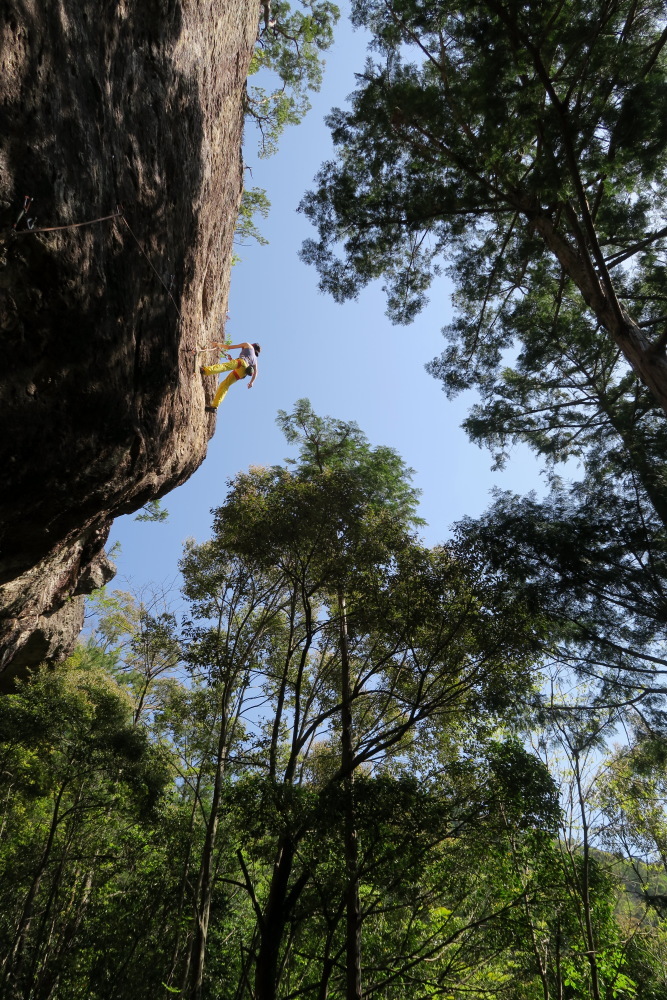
{"points": [[132, 110]]}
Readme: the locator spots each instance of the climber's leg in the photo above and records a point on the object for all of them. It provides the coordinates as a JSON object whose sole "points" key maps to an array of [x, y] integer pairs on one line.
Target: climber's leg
{"points": [[233, 376], [223, 387], [224, 366]]}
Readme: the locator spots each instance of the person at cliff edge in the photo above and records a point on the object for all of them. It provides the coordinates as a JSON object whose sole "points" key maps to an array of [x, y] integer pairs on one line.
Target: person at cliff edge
{"points": [[245, 364]]}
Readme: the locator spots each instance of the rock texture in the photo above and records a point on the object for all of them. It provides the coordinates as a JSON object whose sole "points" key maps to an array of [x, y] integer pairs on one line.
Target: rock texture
{"points": [[106, 107]]}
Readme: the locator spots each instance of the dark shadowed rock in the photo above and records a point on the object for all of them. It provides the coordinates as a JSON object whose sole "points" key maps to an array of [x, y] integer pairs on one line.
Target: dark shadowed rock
{"points": [[115, 107]]}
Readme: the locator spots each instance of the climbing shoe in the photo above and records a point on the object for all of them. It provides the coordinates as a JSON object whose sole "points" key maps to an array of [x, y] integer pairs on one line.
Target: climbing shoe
{"points": [[202, 370], [211, 409]]}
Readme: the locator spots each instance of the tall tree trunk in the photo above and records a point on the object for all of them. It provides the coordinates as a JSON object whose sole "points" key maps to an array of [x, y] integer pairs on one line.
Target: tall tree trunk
{"points": [[13, 960], [273, 923], [328, 964], [352, 907], [183, 885], [541, 963], [559, 975], [646, 357], [204, 888], [53, 966], [585, 886]]}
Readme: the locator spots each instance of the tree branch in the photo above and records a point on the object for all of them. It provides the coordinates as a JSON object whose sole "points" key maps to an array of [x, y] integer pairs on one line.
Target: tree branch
{"points": [[620, 257]]}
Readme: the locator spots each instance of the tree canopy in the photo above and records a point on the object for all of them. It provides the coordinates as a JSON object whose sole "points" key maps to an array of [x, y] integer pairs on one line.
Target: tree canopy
{"points": [[522, 145], [290, 40], [517, 147]]}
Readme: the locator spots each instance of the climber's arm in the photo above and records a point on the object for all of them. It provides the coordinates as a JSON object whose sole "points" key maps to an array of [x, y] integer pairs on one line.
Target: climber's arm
{"points": [[230, 347]]}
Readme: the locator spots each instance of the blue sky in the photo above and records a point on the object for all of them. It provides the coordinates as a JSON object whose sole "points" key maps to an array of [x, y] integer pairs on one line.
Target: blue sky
{"points": [[348, 360]]}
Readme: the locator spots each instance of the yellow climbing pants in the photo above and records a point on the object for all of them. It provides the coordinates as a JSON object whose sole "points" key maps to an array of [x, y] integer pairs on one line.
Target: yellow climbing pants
{"points": [[237, 369]]}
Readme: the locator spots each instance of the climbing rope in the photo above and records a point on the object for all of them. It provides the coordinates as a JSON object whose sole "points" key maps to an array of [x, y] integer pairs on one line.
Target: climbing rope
{"points": [[118, 214], [150, 264], [72, 225]]}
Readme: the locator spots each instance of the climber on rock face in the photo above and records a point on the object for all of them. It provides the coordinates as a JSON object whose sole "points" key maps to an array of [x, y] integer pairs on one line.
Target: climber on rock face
{"points": [[245, 364]]}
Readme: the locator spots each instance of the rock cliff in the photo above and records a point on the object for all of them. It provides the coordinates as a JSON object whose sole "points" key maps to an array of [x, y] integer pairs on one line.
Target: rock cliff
{"points": [[132, 110]]}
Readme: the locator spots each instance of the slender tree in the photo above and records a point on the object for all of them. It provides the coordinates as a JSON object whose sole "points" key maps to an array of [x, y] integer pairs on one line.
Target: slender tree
{"points": [[402, 628], [78, 765]]}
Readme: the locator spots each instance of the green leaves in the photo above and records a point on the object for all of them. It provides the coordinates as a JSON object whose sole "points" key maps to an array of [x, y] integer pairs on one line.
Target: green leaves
{"points": [[346, 507], [152, 511], [78, 777], [517, 146], [577, 561], [188, 807], [289, 43], [253, 201]]}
